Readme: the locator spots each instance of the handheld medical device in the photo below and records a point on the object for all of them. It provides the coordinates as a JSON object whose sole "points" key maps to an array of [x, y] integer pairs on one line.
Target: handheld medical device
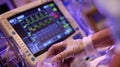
{"points": [[38, 25]]}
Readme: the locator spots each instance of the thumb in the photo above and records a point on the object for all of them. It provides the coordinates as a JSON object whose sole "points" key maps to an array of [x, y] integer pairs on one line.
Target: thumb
{"points": [[61, 56]]}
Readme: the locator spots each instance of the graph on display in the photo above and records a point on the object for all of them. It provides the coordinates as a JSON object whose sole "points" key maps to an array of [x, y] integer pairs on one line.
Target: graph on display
{"points": [[36, 22], [33, 19], [39, 25]]}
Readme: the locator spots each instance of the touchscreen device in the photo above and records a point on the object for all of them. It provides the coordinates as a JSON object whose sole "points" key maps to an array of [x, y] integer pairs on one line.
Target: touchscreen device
{"points": [[37, 26], [41, 26]]}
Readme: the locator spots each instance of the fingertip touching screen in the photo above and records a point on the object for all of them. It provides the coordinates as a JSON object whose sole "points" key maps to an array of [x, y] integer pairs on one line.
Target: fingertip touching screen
{"points": [[40, 27]]}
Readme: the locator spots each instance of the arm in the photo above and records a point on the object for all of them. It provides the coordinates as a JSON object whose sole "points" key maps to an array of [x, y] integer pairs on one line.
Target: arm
{"points": [[102, 39]]}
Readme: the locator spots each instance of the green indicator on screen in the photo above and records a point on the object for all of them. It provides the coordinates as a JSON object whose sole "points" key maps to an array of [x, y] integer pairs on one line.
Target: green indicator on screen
{"points": [[66, 25], [51, 5], [54, 9]]}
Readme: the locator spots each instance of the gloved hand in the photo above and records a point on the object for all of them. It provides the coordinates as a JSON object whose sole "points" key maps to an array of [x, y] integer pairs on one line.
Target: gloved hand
{"points": [[63, 51]]}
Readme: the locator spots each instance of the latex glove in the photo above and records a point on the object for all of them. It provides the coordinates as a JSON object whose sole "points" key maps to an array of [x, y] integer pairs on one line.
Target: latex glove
{"points": [[70, 49], [65, 50]]}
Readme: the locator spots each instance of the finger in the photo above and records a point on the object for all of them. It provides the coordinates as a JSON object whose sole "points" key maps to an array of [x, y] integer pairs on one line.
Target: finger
{"points": [[61, 56], [56, 48]]}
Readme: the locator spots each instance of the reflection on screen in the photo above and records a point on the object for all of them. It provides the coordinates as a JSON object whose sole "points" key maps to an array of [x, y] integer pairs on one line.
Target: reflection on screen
{"points": [[41, 27]]}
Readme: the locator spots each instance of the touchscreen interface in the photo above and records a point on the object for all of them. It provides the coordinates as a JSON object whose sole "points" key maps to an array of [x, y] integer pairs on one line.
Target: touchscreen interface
{"points": [[42, 26]]}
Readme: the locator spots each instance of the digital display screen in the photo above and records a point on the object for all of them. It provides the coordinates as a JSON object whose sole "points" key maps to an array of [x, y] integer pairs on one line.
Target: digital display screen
{"points": [[42, 26]]}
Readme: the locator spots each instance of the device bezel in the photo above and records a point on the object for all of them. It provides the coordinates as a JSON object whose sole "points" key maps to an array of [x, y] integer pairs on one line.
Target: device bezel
{"points": [[8, 30]]}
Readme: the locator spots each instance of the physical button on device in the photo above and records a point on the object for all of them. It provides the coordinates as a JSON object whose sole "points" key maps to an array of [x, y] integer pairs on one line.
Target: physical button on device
{"points": [[32, 59], [13, 32]]}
